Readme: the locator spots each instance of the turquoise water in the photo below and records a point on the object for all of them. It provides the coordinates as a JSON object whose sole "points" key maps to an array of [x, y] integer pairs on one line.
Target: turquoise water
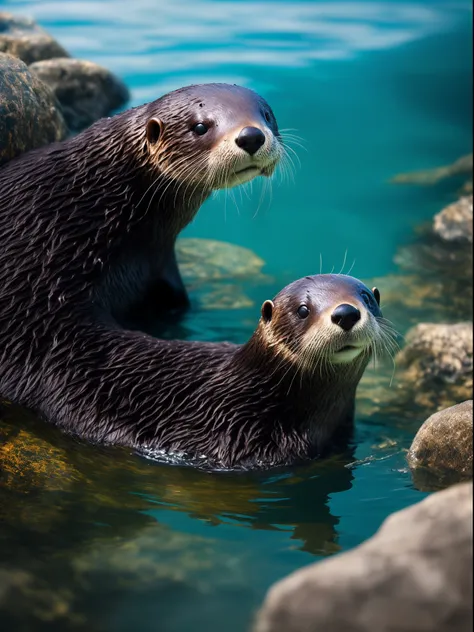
{"points": [[372, 89]]}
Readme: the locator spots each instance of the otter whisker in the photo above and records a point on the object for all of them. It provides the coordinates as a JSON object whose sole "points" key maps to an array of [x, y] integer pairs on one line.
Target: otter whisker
{"points": [[344, 262], [188, 180], [350, 269], [294, 139], [291, 153], [187, 176], [389, 326], [197, 186], [389, 335], [181, 168], [287, 167], [288, 136]]}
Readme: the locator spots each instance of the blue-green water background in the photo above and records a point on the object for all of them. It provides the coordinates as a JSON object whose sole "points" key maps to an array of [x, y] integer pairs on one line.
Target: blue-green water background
{"points": [[372, 89]]}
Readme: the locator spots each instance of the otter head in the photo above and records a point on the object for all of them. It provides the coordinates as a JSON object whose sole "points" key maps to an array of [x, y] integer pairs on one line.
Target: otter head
{"points": [[326, 320], [212, 136]]}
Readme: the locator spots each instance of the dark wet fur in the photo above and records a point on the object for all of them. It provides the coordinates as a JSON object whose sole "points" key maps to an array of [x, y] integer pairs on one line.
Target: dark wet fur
{"points": [[67, 260], [64, 356], [95, 212]]}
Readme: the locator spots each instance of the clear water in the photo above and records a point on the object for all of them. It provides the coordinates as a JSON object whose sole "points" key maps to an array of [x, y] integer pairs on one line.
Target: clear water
{"points": [[372, 89]]}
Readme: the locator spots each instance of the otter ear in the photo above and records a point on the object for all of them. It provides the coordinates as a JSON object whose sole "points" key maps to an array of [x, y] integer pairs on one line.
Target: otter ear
{"points": [[267, 311], [153, 130], [376, 293]]}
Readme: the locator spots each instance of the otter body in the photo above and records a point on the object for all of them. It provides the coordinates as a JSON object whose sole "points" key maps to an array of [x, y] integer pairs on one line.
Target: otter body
{"points": [[91, 222], [88, 229], [284, 396]]}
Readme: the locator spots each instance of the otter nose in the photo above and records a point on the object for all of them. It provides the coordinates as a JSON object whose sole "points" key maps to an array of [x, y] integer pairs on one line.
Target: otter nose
{"points": [[250, 139], [345, 316]]}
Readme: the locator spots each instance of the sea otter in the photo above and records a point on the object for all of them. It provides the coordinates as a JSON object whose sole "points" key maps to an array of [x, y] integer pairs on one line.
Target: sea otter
{"points": [[92, 221], [285, 396]]}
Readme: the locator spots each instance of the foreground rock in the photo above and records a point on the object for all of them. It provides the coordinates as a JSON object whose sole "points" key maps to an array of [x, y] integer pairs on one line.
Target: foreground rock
{"points": [[441, 452], [86, 91], [23, 38], [414, 575], [29, 113], [454, 223]]}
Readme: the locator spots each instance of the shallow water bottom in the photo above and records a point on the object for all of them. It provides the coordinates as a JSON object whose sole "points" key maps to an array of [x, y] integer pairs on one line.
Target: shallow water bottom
{"points": [[97, 538]]}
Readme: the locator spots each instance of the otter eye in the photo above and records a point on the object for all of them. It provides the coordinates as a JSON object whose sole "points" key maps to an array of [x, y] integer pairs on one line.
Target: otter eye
{"points": [[267, 116], [303, 311], [200, 129], [366, 298]]}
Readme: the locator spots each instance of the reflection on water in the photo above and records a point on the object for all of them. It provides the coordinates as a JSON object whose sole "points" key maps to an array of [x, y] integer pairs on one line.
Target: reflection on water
{"points": [[79, 520], [38, 460], [91, 536]]}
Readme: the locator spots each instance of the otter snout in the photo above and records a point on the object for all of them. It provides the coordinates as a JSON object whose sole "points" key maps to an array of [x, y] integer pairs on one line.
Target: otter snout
{"points": [[250, 139], [346, 316]]}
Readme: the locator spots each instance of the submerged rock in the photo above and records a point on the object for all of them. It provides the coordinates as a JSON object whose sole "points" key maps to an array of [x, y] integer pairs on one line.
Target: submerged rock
{"points": [[413, 298], [437, 355], [86, 91], [29, 113], [442, 256], [415, 574], [443, 251], [462, 166], [208, 260], [432, 372], [28, 462], [454, 223], [23, 38], [224, 296], [218, 268], [441, 452]]}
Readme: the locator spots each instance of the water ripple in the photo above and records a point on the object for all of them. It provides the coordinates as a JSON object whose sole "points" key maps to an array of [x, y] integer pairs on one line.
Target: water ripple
{"points": [[194, 34]]}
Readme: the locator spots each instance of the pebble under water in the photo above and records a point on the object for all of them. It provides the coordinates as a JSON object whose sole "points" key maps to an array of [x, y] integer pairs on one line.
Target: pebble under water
{"points": [[101, 539]]}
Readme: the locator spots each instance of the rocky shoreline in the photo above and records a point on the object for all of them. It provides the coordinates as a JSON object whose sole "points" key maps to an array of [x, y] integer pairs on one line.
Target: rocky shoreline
{"points": [[45, 95]]}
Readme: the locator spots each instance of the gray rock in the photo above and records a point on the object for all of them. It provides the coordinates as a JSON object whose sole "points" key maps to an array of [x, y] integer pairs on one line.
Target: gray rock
{"points": [[454, 223], [461, 166], [414, 575], [23, 38], [85, 90], [441, 452], [437, 353], [29, 113]]}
